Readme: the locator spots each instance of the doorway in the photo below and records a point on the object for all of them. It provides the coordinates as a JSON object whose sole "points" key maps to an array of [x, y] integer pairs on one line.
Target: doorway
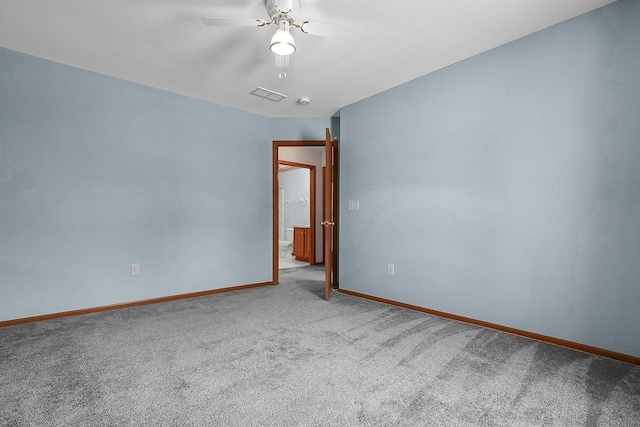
{"points": [[326, 229], [297, 213]]}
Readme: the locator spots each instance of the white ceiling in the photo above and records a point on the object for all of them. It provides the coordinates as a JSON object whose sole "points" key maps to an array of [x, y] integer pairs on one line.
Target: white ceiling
{"points": [[164, 44]]}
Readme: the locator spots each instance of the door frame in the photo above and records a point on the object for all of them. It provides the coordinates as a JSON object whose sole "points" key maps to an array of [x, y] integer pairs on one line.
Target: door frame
{"points": [[275, 200]]}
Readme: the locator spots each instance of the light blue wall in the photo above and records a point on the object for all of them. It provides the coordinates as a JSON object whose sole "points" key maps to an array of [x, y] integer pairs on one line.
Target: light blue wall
{"points": [[299, 128], [506, 188], [97, 173]]}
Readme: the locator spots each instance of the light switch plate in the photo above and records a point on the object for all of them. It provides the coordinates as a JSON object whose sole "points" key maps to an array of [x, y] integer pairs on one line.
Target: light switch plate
{"points": [[391, 269]]}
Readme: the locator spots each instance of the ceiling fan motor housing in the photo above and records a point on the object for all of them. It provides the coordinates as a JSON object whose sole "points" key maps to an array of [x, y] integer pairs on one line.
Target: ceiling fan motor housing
{"points": [[283, 9]]}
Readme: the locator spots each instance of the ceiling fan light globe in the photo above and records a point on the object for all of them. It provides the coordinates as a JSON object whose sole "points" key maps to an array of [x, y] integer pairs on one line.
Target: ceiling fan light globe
{"points": [[282, 43]]}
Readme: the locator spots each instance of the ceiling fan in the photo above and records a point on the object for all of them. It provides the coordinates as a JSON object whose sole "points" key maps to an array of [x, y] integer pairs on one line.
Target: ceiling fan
{"points": [[282, 14]]}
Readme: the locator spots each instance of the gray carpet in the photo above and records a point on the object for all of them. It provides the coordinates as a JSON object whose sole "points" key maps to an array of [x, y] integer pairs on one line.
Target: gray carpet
{"points": [[281, 356]]}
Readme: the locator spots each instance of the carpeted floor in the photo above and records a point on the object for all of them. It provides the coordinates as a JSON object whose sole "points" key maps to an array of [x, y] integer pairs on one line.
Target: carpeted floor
{"points": [[281, 356]]}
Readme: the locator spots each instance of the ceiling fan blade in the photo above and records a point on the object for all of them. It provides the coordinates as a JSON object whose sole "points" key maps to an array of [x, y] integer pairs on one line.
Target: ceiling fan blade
{"points": [[214, 21], [321, 29]]}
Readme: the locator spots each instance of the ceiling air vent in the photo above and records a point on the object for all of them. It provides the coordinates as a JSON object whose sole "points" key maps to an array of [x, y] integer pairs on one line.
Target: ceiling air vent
{"points": [[268, 94]]}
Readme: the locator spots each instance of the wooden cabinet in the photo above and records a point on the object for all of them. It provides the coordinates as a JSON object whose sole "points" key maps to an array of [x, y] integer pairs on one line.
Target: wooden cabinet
{"points": [[301, 243]]}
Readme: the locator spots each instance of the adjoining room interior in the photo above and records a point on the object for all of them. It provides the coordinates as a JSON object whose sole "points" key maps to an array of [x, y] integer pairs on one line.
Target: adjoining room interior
{"points": [[295, 212], [300, 205], [488, 212]]}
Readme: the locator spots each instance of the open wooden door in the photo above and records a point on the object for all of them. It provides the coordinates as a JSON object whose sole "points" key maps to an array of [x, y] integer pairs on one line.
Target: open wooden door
{"points": [[328, 214]]}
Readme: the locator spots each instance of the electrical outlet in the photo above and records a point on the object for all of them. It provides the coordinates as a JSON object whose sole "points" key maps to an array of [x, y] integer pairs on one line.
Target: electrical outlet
{"points": [[391, 269], [135, 269]]}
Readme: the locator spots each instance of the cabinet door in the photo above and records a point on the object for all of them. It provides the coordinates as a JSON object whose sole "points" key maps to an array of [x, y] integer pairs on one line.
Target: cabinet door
{"points": [[298, 242], [301, 243], [307, 244]]}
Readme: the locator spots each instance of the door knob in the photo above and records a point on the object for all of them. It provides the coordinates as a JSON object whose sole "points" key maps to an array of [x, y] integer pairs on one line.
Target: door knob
{"points": [[327, 223]]}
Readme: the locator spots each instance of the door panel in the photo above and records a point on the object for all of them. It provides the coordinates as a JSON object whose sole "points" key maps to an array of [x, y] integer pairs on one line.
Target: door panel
{"points": [[328, 222]]}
